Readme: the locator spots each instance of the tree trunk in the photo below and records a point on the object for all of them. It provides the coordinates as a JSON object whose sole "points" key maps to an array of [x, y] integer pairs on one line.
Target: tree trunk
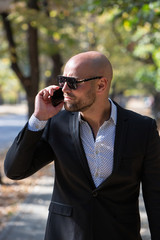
{"points": [[1, 182], [30, 103], [56, 70], [156, 108], [33, 60], [34, 68]]}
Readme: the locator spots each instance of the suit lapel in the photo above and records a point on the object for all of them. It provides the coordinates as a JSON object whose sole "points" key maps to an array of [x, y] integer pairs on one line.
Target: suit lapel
{"points": [[75, 130], [120, 136]]}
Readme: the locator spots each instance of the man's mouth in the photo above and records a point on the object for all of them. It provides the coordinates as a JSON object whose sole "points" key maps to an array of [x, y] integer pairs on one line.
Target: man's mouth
{"points": [[68, 98]]}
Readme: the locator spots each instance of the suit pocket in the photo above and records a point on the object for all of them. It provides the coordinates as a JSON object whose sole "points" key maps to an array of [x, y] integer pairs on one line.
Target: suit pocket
{"points": [[60, 209], [60, 224]]}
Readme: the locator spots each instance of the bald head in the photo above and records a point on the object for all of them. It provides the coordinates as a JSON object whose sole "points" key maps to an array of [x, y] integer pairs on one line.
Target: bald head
{"points": [[89, 64]]}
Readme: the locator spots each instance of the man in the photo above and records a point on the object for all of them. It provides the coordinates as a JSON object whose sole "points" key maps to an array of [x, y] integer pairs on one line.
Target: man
{"points": [[101, 151]]}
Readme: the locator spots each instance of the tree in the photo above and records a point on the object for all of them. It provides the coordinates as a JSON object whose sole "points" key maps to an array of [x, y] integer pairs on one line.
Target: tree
{"points": [[45, 26], [29, 74], [143, 44], [31, 82], [136, 26]]}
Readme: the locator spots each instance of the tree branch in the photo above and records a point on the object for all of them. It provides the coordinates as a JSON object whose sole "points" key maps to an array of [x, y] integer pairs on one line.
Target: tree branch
{"points": [[131, 46], [33, 50], [12, 47], [116, 33]]}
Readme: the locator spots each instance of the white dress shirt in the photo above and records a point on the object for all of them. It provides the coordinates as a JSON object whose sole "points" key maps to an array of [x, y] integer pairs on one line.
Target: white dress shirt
{"points": [[99, 151]]}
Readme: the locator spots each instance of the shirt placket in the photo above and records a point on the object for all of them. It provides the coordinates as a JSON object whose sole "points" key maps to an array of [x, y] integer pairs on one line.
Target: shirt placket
{"points": [[97, 150]]}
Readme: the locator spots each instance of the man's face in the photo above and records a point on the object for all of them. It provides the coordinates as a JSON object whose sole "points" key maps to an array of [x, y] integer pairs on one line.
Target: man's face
{"points": [[80, 99], [84, 96]]}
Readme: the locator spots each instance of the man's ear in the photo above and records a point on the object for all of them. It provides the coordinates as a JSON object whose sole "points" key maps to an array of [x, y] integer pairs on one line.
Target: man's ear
{"points": [[102, 84]]}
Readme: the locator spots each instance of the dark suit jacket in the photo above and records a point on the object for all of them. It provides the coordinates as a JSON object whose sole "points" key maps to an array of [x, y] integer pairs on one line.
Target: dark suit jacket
{"points": [[78, 210]]}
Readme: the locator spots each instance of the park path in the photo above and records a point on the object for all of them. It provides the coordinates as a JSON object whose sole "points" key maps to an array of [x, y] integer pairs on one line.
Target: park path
{"points": [[12, 119], [29, 222]]}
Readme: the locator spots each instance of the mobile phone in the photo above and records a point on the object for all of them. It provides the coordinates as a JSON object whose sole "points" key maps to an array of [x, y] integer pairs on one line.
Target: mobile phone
{"points": [[57, 97]]}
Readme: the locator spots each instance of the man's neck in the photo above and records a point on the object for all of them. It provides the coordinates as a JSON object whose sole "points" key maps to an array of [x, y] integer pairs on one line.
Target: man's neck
{"points": [[96, 117]]}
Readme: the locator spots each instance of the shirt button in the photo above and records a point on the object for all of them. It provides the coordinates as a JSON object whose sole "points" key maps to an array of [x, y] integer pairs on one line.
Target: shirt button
{"points": [[95, 194]]}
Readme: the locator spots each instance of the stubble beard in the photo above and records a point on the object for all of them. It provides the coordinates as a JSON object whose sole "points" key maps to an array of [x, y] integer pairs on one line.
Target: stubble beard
{"points": [[81, 105]]}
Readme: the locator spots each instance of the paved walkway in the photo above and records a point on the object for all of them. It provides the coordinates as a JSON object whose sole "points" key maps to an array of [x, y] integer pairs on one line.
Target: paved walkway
{"points": [[13, 109], [30, 221], [12, 120]]}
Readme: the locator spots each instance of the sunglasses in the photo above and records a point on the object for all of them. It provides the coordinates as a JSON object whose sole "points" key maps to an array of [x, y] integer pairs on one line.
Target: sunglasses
{"points": [[72, 82]]}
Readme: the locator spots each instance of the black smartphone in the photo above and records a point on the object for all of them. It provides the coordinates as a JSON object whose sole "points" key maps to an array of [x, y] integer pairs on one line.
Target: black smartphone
{"points": [[57, 97]]}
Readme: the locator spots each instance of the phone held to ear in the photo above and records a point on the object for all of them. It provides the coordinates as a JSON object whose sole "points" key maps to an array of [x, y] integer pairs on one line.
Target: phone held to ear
{"points": [[57, 97]]}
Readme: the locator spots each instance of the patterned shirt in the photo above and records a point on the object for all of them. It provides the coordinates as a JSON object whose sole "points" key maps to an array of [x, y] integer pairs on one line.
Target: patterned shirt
{"points": [[99, 151]]}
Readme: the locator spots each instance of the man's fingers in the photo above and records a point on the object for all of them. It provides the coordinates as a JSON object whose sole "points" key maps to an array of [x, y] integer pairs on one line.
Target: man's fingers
{"points": [[46, 92]]}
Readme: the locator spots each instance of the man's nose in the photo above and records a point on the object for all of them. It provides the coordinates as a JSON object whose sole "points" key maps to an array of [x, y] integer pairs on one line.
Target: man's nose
{"points": [[66, 88]]}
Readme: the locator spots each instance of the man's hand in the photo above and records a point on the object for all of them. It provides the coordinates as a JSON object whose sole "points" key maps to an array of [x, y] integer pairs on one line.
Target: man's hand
{"points": [[43, 105]]}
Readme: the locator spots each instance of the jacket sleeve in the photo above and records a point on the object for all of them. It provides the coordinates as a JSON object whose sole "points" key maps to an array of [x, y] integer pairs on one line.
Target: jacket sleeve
{"points": [[29, 152], [151, 181]]}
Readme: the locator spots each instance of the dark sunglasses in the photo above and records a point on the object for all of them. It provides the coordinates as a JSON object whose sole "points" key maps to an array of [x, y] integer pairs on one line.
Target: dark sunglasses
{"points": [[72, 82]]}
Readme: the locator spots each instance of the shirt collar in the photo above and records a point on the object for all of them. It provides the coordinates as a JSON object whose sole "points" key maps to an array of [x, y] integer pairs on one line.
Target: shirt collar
{"points": [[113, 115]]}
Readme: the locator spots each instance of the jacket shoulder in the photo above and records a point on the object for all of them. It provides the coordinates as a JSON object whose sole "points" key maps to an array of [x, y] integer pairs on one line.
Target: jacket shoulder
{"points": [[135, 119], [132, 114], [63, 116]]}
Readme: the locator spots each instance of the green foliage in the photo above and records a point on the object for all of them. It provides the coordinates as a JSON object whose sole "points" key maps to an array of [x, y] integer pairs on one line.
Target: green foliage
{"points": [[127, 31], [137, 29], [9, 84]]}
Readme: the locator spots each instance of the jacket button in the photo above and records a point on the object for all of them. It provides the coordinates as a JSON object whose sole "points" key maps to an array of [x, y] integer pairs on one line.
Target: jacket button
{"points": [[95, 194]]}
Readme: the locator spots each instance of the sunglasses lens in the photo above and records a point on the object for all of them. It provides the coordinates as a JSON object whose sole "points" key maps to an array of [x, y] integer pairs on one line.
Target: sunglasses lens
{"points": [[61, 81], [71, 82]]}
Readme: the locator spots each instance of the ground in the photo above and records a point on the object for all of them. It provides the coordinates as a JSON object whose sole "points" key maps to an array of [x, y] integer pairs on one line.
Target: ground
{"points": [[14, 192]]}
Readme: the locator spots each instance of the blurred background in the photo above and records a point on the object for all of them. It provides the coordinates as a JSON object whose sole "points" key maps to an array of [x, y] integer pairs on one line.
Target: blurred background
{"points": [[37, 37]]}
